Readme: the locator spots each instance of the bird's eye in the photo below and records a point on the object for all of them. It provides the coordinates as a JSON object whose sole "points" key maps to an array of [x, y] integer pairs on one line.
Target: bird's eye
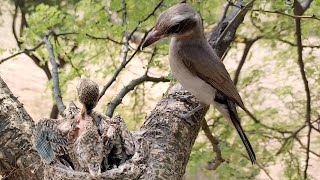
{"points": [[182, 26], [174, 29]]}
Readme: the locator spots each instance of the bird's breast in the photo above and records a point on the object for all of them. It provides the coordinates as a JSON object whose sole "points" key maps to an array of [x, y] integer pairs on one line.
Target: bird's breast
{"points": [[204, 92]]}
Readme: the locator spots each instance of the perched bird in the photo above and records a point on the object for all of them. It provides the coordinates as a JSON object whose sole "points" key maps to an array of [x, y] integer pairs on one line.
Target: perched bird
{"points": [[196, 66]]}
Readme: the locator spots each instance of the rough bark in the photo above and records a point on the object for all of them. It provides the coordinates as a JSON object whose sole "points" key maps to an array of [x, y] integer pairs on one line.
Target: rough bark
{"points": [[17, 158]]}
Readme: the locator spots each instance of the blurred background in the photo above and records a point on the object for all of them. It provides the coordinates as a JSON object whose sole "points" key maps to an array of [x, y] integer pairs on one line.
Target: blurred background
{"points": [[276, 74]]}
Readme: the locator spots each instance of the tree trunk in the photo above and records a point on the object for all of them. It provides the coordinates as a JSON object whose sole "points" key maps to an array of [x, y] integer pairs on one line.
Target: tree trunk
{"points": [[18, 160]]}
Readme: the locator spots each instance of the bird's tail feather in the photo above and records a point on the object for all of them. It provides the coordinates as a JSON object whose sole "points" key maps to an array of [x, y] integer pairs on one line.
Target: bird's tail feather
{"points": [[236, 123]]}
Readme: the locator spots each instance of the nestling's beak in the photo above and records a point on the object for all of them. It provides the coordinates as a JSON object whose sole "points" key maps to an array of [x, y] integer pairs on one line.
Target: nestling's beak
{"points": [[152, 37]]}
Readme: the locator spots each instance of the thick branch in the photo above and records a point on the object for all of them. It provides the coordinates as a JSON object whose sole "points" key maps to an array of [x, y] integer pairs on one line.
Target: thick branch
{"points": [[18, 160], [224, 34]]}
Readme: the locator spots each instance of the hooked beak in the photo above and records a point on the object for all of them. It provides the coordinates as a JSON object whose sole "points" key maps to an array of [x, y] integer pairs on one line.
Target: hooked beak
{"points": [[152, 37]]}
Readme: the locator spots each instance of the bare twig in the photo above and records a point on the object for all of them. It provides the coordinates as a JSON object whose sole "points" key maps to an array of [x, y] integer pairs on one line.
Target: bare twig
{"points": [[104, 38], [288, 15], [293, 44], [225, 11], [264, 170], [214, 143], [125, 53], [304, 147], [25, 51], [248, 45], [125, 90], [55, 74], [298, 11], [136, 82]]}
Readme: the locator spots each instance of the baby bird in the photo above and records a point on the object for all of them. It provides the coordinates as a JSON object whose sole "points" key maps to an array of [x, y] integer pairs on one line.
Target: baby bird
{"points": [[88, 145], [88, 94], [52, 139]]}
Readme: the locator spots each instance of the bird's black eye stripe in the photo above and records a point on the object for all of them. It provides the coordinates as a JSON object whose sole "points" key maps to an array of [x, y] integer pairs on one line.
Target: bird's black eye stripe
{"points": [[182, 26], [174, 29]]}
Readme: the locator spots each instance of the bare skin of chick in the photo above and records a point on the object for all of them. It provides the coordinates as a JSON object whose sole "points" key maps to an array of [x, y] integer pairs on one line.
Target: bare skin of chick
{"points": [[88, 145]]}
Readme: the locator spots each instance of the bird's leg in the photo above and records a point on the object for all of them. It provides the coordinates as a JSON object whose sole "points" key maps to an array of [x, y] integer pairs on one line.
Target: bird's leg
{"points": [[188, 116]]}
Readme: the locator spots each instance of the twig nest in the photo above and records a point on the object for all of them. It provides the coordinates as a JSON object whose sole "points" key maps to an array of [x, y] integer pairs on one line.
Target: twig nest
{"points": [[123, 155]]}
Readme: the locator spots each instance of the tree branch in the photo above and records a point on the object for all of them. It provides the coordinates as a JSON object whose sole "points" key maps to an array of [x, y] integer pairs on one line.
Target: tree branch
{"points": [[55, 74], [125, 90], [314, 17], [297, 11], [214, 143], [18, 159], [24, 51], [248, 44], [222, 37]]}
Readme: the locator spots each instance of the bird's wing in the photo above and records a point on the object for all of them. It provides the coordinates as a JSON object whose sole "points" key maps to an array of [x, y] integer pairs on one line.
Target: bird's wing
{"points": [[202, 61], [49, 140]]}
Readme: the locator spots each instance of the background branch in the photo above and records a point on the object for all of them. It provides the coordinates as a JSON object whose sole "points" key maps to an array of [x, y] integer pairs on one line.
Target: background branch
{"points": [[55, 74]]}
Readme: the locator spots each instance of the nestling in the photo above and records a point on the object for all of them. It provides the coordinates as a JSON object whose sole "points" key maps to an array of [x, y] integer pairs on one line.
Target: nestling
{"points": [[196, 66], [88, 146], [88, 94]]}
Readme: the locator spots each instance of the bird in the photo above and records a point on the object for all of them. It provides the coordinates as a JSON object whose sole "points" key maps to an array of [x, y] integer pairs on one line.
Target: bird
{"points": [[88, 145], [52, 138], [196, 66]]}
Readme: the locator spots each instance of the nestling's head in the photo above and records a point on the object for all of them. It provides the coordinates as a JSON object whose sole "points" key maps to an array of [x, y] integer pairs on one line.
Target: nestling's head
{"points": [[88, 93], [178, 21]]}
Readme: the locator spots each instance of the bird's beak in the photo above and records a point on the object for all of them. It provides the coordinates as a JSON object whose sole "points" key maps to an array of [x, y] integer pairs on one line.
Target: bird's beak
{"points": [[152, 37]]}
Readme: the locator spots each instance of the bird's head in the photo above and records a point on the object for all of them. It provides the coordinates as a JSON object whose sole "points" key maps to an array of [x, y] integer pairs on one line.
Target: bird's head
{"points": [[88, 93], [177, 21]]}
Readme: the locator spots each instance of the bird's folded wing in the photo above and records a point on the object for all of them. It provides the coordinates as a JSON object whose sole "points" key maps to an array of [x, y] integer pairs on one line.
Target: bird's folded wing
{"points": [[49, 141], [203, 62]]}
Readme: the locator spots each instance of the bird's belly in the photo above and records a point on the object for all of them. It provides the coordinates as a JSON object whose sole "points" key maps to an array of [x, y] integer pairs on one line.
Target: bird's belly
{"points": [[204, 92]]}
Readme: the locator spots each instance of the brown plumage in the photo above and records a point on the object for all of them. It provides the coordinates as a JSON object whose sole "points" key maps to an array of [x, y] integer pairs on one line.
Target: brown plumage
{"points": [[196, 66], [53, 138], [88, 146], [88, 94]]}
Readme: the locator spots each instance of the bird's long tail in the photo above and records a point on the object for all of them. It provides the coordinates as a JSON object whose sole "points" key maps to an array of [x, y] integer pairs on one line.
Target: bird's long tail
{"points": [[236, 123], [228, 109]]}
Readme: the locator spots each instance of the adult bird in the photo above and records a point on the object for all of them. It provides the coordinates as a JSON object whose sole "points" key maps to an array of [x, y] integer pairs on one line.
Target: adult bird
{"points": [[196, 66]]}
